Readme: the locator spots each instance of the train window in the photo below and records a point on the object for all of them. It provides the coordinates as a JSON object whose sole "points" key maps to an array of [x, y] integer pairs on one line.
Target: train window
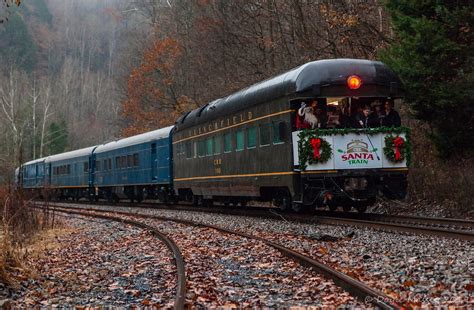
{"points": [[136, 160], [227, 143], [86, 167], [153, 148], [251, 137], [68, 169], [279, 132], [97, 165], [189, 149], [209, 147], [217, 144], [110, 163], [201, 148], [129, 161], [239, 140], [117, 162], [124, 162], [265, 132], [105, 164]]}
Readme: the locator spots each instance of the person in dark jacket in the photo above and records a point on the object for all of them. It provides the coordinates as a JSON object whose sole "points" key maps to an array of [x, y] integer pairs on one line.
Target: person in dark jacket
{"points": [[362, 118], [376, 118], [392, 118], [344, 120]]}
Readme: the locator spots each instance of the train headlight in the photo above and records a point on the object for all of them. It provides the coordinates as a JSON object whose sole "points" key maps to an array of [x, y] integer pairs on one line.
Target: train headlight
{"points": [[354, 82]]}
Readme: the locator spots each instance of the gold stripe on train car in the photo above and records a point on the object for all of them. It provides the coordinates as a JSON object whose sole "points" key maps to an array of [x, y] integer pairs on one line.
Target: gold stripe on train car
{"points": [[395, 169], [318, 171], [236, 176]]}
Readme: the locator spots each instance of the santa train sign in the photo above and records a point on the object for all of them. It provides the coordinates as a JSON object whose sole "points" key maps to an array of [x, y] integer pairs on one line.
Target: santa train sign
{"points": [[357, 153], [355, 150]]}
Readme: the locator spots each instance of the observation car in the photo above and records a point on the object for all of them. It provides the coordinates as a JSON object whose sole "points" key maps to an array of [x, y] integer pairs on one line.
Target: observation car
{"points": [[245, 146]]}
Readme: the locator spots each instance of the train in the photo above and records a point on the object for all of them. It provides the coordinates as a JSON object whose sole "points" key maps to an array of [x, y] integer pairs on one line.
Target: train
{"points": [[249, 146]]}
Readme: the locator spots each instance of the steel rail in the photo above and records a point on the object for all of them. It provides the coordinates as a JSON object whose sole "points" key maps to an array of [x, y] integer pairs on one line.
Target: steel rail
{"points": [[389, 226], [401, 219], [249, 210], [326, 217], [180, 298], [351, 285]]}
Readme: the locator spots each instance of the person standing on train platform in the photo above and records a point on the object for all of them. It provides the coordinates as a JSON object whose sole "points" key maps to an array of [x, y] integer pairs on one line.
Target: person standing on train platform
{"points": [[377, 117], [362, 118], [392, 118]]}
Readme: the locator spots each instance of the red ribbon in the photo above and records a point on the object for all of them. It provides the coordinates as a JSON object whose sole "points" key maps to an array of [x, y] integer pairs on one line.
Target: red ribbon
{"points": [[398, 143], [316, 144]]}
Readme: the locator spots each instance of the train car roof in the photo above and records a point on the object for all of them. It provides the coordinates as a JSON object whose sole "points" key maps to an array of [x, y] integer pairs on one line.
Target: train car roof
{"points": [[70, 155], [298, 80], [142, 138], [38, 160]]}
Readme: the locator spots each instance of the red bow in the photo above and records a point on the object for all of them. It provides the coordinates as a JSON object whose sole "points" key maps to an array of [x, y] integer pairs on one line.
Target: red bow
{"points": [[398, 143], [316, 143]]}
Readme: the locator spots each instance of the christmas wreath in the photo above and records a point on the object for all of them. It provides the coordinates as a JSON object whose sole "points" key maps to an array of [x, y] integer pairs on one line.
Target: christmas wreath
{"points": [[312, 149], [396, 148]]}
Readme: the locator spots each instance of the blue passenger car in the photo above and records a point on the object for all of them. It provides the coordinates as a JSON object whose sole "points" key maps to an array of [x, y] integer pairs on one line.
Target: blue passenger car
{"points": [[67, 174], [136, 168], [33, 175]]}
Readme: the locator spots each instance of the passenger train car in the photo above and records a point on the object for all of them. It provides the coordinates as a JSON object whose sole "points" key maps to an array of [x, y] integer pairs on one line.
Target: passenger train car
{"points": [[248, 146]]}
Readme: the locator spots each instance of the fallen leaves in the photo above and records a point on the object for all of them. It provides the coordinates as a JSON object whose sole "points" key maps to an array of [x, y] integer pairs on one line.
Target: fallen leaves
{"points": [[102, 263]]}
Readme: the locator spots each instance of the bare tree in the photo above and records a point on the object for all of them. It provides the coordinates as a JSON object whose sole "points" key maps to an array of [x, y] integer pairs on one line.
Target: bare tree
{"points": [[12, 108]]}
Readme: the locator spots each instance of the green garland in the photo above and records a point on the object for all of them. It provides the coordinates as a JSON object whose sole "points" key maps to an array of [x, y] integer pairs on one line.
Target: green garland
{"points": [[305, 150]]}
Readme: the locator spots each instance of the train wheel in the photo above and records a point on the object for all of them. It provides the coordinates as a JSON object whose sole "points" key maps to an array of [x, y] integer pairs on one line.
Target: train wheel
{"points": [[197, 200], [296, 207], [361, 209], [346, 208], [332, 208], [285, 202], [207, 203]]}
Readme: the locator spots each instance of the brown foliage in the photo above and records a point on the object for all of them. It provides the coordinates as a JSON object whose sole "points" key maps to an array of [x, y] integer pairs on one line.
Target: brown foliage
{"points": [[19, 224], [152, 100]]}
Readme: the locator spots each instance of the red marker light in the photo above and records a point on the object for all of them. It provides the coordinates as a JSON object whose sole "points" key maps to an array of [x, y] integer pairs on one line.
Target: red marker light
{"points": [[354, 82]]}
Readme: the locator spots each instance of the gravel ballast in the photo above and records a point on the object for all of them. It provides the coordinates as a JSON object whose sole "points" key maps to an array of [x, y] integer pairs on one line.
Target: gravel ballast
{"points": [[413, 269]]}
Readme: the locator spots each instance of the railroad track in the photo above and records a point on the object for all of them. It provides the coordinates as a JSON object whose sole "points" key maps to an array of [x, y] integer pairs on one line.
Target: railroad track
{"points": [[405, 219], [351, 285], [440, 227], [177, 256]]}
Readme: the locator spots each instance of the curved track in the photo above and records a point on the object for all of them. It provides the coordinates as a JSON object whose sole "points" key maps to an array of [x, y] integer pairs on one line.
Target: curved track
{"points": [[178, 257], [354, 287]]}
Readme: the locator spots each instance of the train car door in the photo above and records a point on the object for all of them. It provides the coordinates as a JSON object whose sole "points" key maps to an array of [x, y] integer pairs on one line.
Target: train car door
{"points": [[154, 162], [48, 174]]}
